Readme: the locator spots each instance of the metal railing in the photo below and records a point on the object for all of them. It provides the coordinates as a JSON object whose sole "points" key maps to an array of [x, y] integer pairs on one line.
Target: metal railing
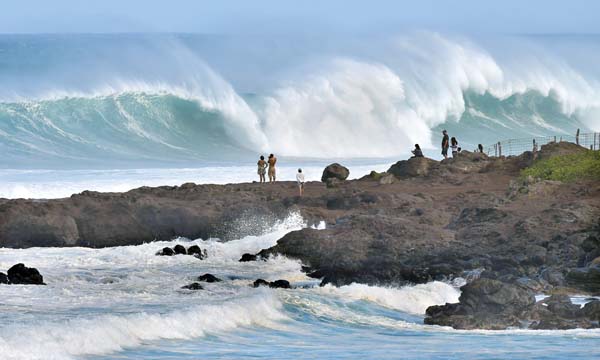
{"points": [[518, 146]]}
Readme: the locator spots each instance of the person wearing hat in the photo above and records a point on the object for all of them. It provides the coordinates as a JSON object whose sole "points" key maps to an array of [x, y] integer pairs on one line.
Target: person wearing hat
{"points": [[445, 144]]}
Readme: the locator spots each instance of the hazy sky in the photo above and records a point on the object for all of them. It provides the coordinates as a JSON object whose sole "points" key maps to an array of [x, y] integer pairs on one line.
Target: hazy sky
{"points": [[306, 16]]}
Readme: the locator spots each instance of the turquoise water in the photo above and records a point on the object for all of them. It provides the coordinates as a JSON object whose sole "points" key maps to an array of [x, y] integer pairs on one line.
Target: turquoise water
{"points": [[142, 101]]}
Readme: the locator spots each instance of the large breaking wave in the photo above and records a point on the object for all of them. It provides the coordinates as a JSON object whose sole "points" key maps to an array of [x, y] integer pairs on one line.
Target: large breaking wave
{"points": [[374, 103]]}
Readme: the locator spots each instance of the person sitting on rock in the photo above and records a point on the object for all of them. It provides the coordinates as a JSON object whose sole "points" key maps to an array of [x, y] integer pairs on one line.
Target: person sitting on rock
{"points": [[454, 146], [300, 180], [417, 151], [272, 160], [262, 169]]}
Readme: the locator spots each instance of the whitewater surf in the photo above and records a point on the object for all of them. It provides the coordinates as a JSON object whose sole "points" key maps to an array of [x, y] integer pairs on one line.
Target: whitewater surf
{"points": [[127, 302]]}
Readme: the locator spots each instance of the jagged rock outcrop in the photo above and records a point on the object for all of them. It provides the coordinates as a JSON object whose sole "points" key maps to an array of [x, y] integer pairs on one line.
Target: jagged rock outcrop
{"points": [[484, 304], [21, 274]]}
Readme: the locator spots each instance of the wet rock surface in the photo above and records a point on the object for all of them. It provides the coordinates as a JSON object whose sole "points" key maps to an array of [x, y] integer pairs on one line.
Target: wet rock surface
{"points": [[277, 284], [427, 221], [193, 286], [20, 274], [209, 278], [248, 257]]}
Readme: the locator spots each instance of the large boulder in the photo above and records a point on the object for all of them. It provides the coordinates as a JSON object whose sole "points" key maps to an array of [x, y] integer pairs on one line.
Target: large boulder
{"points": [[413, 167], [21, 274], [336, 171], [484, 304]]}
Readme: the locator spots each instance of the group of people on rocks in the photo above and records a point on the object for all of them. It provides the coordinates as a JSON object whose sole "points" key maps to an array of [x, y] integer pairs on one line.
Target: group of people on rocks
{"points": [[447, 143], [268, 167]]}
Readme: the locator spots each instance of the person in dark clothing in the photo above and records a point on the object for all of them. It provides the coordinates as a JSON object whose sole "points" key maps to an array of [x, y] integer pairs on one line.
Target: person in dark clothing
{"points": [[417, 151], [445, 144], [480, 147]]}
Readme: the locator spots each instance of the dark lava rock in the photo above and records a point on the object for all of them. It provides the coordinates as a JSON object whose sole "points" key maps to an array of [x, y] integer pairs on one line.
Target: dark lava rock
{"points": [[561, 305], [336, 171], [587, 278], [166, 252], [591, 310], [197, 252], [21, 274], [193, 286], [179, 250], [277, 284], [413, 167], [210, 278], [248, 257], [494, 297], [553, 277], [3, 278], [260, 282], [484, 304], [280, 284]]}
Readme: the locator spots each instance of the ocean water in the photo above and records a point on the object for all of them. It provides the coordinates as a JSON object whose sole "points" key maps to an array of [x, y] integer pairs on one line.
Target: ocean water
{"points": [[127, 303], [115, 112], [145, 101]]}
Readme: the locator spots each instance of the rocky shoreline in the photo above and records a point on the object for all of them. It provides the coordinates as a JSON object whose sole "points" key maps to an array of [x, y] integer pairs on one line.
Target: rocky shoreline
{"points": [[423, 220]]}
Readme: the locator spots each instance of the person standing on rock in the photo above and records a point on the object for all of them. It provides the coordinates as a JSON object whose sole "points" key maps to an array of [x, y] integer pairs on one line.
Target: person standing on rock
{"points": [[262, 169], [454, 146], [272, 161], [445, 144], [300, 181]]}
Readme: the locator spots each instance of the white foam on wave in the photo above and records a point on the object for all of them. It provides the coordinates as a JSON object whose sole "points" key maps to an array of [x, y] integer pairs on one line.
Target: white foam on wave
{"points": [[413, 299], [111, 333], [377, 106]]}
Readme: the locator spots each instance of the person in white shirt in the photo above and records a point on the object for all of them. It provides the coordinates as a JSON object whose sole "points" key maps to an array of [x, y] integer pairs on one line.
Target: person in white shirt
{"points": [[300, 180]]}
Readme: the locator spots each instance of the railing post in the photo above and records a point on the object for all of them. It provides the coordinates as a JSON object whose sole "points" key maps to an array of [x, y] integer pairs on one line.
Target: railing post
{"points": [[577, 137], [499, 148], [554, 138]]}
